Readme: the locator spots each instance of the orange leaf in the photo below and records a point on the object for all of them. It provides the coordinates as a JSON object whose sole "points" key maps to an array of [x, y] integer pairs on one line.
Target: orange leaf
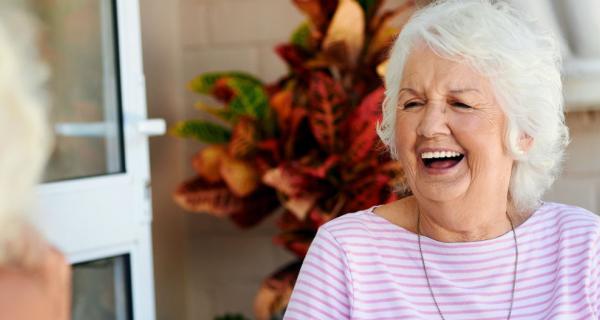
{"points": [[282, 104], [387, 26], [314, 10], [208, 161], [241, 176], [243, 138]]}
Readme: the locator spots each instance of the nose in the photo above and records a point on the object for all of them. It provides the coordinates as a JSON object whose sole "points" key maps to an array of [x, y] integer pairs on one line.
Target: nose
{"points": [[433, 121]]}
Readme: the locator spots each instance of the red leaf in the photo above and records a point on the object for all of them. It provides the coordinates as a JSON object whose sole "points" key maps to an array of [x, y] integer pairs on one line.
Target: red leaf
{"points": [[222, 91], [370, 188], [289, 221], [202, 196], [322, 167], [293, 56], [361, 127], [256, 208], [327, 99], [297, 241], [287, 180], [291, 134]]}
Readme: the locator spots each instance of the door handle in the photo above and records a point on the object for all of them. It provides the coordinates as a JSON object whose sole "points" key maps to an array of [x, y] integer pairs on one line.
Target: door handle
{"points": [[152, 127]]}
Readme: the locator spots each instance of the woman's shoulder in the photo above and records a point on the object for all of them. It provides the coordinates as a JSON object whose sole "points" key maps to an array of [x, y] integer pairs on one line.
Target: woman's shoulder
{"points": [[564, 210], [565, 216], [367, 222], [352, 220]]}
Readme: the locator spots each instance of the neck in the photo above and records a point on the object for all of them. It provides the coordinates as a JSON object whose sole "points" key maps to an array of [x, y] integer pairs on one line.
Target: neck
{"points": [[458, 223]]}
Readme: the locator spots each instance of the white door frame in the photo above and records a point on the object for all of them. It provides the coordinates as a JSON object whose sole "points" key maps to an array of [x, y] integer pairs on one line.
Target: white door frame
{"points": [[105, 216]]}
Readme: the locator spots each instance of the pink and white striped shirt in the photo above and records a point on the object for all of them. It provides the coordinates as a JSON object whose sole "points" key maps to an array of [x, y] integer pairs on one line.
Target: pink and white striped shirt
{"points": [[361, 266]]}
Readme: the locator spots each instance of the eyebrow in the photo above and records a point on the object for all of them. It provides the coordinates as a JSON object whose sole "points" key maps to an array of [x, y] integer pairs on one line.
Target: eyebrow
{"points": [[413, 91], [454, 91], [459, 91]]}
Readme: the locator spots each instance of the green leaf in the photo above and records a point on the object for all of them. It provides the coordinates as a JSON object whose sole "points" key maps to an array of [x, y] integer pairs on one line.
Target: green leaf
{"points": [[301, 36], [249, 99], [219, 112], [205, 82], [204, 131]]}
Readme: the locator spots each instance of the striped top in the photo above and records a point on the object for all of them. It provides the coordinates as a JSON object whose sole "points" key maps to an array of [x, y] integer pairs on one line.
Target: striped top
{"points": [[361, 266]]}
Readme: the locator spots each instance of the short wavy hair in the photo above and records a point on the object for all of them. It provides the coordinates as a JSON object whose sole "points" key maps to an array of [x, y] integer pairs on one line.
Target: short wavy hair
{"points": [[523, 63], [24, 136]]}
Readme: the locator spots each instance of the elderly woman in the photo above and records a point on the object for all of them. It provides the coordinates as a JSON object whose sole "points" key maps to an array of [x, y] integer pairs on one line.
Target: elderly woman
{"points": [[474, 113], [34, 277]]}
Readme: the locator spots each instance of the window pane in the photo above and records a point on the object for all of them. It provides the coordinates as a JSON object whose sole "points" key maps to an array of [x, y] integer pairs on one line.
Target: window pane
{"points": [[101, 290], [79, 43]]}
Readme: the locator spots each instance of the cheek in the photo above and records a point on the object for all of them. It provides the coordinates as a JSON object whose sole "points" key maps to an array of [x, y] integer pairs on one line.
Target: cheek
{"points": [[406, 134], [476, 130], [482, 137]]}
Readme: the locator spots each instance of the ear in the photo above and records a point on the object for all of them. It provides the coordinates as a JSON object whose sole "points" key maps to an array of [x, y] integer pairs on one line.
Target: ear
{"points": [[525, 142]]}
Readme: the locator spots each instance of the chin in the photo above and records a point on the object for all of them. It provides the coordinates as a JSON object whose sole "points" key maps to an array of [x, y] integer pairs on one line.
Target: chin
{"points": [[441, 191]]}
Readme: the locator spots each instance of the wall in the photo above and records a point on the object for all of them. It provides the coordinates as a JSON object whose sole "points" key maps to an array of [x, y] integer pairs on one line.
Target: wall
{"points": [[579, 183], [162, 65], [204, 266]]}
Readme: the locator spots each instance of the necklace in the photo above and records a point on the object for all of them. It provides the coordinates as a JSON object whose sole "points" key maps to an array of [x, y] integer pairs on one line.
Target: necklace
{"points": [[514, 284]]}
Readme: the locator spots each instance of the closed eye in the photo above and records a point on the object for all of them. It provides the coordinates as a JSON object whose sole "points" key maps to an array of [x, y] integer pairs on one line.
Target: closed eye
{"points": [[461, 105], [412, 104]]}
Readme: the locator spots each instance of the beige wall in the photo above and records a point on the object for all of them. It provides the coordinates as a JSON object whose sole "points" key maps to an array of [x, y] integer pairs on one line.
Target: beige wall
{"points": [[162, 65], [204, 266], [579, 183]]}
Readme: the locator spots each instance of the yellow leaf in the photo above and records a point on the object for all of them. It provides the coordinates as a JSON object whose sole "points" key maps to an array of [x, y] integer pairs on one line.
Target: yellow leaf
{"points": [[300, 206], [381, 68], [346, 31], [240, 176]]}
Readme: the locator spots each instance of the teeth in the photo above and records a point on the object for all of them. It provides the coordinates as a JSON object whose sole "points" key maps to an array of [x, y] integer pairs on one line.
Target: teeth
{"points": [[439, 154]]}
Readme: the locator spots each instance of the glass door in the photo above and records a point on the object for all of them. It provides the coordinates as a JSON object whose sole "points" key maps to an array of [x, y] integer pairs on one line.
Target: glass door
{"points": [[95, 202]]}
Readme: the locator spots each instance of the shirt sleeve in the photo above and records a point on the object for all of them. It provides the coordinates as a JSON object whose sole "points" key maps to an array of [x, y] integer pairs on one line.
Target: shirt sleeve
{"points": [[595, 276], [324, 287]]}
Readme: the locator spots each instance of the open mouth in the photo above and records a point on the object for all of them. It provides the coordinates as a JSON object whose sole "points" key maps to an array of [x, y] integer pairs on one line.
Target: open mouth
{"points": [[441, 159]]}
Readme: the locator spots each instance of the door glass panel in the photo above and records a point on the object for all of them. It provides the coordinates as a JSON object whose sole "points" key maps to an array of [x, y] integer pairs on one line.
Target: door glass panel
{"points": [[101, 290], [79, 43]]}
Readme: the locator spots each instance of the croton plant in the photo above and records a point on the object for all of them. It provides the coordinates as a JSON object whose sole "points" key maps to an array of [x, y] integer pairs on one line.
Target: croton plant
{"points": [[306, 144]]}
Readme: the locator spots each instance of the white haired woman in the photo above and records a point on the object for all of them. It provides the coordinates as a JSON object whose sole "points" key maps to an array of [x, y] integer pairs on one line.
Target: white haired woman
{"points": [[34, 277], [474, 113]]}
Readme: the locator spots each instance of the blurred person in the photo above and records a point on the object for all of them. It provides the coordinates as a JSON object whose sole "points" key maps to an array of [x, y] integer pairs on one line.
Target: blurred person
{"points": [[34, 276], [474, 113]]}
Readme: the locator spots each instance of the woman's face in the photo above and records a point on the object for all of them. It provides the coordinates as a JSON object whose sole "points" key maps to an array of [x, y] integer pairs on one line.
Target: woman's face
{"points": [[450, 131]]}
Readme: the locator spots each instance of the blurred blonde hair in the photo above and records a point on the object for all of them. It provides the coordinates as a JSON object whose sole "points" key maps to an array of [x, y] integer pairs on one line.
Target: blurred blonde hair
{"points": [[24, 134]]}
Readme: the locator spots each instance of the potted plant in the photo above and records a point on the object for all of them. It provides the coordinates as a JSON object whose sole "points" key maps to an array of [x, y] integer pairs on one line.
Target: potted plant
{"points": [[306, 144]]}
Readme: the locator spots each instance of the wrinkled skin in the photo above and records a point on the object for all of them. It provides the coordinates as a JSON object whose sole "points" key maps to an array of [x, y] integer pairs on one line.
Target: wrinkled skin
{"points": [[447, 105]]}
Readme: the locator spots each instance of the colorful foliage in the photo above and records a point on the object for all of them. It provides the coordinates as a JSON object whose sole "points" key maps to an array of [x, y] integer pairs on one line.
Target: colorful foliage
{"points": [[308, 142]]}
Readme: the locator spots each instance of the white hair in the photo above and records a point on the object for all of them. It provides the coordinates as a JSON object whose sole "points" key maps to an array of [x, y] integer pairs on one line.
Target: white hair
{"points": [[523, 63], [24, 136]]}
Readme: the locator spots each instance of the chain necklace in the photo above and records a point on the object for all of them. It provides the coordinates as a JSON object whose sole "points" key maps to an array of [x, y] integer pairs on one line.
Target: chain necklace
{"points": [[514, 284]]}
